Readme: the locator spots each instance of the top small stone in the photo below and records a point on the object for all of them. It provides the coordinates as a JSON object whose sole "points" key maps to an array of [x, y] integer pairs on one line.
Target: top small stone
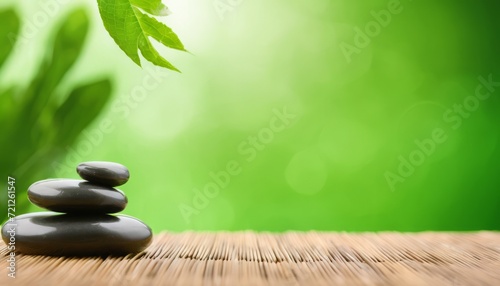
{"points": [[104, 173]]}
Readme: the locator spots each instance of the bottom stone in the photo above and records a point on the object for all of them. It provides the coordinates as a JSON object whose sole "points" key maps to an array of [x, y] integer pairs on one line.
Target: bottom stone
{"points": [[48, 233]]}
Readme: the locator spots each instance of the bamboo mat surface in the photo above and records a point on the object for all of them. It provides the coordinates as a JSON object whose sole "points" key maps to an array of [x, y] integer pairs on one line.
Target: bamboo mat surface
{"points": [[248, 258]]}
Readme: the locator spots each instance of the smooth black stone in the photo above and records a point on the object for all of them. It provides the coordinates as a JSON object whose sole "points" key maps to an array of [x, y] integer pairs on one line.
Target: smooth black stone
{"points": [[48, 233], [70, 196], [104, 173]]}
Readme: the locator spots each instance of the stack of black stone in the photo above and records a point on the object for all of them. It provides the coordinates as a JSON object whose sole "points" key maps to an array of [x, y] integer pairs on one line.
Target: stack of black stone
{"points": [[86, 228]]}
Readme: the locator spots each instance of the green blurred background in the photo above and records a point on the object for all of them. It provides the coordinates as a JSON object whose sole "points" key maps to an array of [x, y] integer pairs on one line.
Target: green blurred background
{"points": [[353, 115]]}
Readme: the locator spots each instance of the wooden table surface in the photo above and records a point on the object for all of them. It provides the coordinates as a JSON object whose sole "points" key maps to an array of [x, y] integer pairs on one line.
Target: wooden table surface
{"points": [[293, 258]]}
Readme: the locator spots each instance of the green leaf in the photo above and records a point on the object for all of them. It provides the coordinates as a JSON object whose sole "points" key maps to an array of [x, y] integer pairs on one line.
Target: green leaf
{"points": [[67, 46], [9, 29], [153, 7], [131, 29], [68, 43], [7, 108], [160, 32], [152, 55], [81, 107]]}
